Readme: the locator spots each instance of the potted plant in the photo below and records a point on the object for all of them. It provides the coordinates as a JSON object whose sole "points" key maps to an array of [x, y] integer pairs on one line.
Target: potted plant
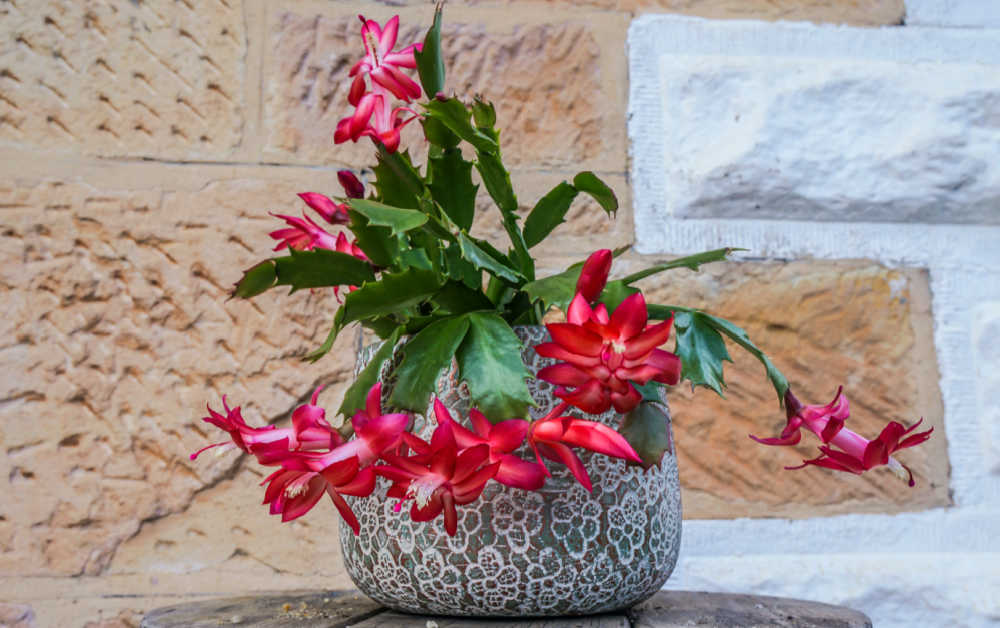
{"points": [[519, 420]]}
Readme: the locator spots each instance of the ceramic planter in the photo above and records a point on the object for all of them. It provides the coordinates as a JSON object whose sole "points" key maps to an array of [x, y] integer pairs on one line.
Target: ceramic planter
{"points": [[557, 551]]}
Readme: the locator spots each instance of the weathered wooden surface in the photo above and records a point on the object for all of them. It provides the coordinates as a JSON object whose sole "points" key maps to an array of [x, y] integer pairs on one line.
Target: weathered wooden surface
{"points": [[673, 609], [667, 609], [298, 609]]}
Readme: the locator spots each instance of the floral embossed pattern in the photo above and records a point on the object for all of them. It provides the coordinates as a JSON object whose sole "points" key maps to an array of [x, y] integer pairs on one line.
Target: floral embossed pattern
{"points": [[556, 551]]}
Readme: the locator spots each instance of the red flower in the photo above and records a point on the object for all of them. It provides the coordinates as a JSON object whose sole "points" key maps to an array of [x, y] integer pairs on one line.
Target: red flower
{"points": [[501, 438], [602, 355], [309, 431], [374, 434], [553, 435], [855, 454], [594, 275], [294, 489], [439, 476]]}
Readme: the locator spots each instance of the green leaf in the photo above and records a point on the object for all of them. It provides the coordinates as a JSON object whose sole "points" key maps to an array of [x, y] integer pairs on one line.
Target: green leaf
{"points": [[548, 213], [393, 293], [489, 361], [484, 114], [457, 298], [354, 398], [380, 215], [256, 279], [455, 115], [415, 258], [691, 261], [740, 337], [461, 269], [701, 350], [614, 293], [497, 182], [376, 242], [451, 186], [589, 183], [397, 182], [438, 134], [558, 290], [424, 357], [647, 429], [320, 268], [481, 259], [430, 65]]}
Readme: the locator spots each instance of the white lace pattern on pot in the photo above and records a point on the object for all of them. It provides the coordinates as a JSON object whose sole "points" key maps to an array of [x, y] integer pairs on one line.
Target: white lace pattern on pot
{"points": [[556, 551]]}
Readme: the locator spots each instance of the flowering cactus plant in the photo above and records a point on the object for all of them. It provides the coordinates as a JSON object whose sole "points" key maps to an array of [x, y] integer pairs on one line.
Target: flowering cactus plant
{"points": [[413, 270]]}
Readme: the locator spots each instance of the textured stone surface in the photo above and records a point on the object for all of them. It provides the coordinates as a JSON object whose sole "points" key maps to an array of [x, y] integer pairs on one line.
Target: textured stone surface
{"points": [[118, 333], [896, 590], [587, 226], [16, 616], [986, 362], [967, 13], [123, 78], [675, 609], [868, 13], [824, 324], [851, 163], [554, 83], [872, 13], [850, 140]]}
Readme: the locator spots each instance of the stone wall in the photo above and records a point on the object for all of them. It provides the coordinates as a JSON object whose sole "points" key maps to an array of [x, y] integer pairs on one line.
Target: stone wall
{"points": [[803, 143], [143, 143]]}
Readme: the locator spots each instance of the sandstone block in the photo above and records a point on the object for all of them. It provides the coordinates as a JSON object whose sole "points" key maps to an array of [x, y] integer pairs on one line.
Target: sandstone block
{"points": [[120, 333], [16, 616], [823, 324], [557, 84], [123, 79]]}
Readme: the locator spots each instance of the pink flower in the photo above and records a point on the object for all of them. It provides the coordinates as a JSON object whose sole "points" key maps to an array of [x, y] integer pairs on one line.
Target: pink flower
{"points": [[501, 438], [294, 489], [603, 354], [309, 431], [854, 453], [375, 118], [303, 235], [374, 434], [439, 478], [333, 213], [553, 435], [382, 64]]}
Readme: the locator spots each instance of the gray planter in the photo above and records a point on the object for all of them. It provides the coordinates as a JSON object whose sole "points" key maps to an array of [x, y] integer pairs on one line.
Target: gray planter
{"points": [[557, 551]]}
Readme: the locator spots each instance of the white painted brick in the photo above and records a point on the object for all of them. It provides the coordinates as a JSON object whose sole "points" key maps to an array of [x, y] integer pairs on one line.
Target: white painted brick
{"points": [[842, 139], [894, 590], [986, 361], [688, 79], [967, 13]]}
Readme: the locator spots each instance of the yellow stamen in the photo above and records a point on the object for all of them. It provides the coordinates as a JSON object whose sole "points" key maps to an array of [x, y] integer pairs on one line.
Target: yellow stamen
{"points": [[617, 347]]}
